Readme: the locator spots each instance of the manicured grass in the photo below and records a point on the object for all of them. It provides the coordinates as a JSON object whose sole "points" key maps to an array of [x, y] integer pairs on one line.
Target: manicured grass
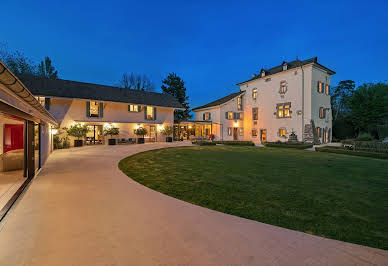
{"points": [[332, 195]]}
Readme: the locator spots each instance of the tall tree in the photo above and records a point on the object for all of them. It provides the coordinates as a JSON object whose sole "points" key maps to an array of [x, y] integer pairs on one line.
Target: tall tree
{"points": [[136, 82], [175, 86], [340, 97], [46, 69], [368, 105], [16, 61]]}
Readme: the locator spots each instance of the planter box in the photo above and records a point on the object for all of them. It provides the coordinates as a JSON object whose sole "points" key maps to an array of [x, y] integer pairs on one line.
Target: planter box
{"points": [[112, 141], [78, 143], [168, 139], [140, 141]]}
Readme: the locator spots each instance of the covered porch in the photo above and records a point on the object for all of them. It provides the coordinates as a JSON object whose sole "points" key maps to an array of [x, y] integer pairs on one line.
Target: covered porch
{"points": [[197, 129]]}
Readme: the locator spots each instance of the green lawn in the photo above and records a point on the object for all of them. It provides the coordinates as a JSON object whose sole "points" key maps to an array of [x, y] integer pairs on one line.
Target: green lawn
{"points": [[332, 195]]}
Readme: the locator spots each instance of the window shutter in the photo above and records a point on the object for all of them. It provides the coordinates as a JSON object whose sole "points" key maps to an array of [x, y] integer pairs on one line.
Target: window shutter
{"points": [[145, 113], [226, 115], [154, 113], [318, 86], [234, 115], [47, 103], [101, 113], [87, 109], [210, 116], [203, 117], [139, 108]]}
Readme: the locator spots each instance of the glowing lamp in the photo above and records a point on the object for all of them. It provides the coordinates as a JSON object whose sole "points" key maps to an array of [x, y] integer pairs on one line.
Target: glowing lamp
{"points": [[54, 131], [160, 127], [235, 124]]}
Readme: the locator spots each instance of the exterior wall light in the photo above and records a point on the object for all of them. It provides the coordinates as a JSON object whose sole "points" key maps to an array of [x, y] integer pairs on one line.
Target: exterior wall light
{"points": [[160, 127], [235, 124], [54, 131]]}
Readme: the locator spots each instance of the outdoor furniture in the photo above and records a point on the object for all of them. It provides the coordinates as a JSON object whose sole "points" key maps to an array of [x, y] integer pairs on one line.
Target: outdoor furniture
{"points": [[122, 141], [12, 160], [132, 140]]}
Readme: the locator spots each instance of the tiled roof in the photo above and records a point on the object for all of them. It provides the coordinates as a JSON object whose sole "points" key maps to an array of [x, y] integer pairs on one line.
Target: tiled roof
{"points": [[220, 101], [290, 65], [80, 90]]}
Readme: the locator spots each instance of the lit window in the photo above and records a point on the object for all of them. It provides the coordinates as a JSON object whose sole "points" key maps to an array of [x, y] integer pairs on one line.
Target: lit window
{"points": [[255, 113], [229, 115], [207, 116], [241, 131], [230, 130], [254, 94], [133, 108], [150, 113], [94, 109], [283, 110], [283, 87], [327, 89], [239, 103], [282, 132], [320, 87], [318, 129], [254, 132], [322, 113]]}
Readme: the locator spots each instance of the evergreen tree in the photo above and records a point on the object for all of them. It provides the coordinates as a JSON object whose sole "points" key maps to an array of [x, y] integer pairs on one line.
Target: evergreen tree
{"points": [[175, 86], [46, 69]]}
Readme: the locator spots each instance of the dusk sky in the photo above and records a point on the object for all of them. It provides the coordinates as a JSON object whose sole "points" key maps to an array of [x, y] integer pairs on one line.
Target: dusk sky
{"points": [[212, 45]]}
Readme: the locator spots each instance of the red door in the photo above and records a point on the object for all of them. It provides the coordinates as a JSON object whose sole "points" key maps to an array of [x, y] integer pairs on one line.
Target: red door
{"points": [[13, 137]]}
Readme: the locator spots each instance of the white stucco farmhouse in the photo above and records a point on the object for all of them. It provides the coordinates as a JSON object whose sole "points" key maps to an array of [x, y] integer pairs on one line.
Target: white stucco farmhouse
{"points": [[291, 97], [100, 107]]}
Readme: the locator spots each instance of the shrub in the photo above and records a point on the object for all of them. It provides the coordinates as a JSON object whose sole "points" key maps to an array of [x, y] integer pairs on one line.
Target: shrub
{"points": [[141, 131], [77, 131], [354, 153], [382, 131], [237, 143], [113, 131], [203, 143], [365, 137], [167, 130], [294, 145]]}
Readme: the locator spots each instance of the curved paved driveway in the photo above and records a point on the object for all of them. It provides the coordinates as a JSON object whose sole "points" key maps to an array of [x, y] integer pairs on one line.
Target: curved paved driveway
{"points": [[81, 210]]}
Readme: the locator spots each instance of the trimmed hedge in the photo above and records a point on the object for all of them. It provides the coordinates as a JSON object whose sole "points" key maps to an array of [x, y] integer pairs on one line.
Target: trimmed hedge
{"points": [[351, 152], [301, 146], [239, 143], [203, 143]]}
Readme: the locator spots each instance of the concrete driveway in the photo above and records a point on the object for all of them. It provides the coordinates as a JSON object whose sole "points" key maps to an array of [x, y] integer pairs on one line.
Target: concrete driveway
{"points": [[81, 210]]}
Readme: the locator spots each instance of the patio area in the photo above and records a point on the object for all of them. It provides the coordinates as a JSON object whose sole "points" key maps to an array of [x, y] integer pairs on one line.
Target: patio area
{"points": [[82, 210]]}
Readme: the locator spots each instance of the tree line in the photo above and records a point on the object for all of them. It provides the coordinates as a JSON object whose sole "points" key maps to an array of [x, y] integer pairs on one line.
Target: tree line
{"points": [[21, 64], [360, 112]]}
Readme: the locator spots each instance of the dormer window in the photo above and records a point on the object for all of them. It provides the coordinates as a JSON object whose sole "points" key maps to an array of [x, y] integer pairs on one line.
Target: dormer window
{"points": [[262, 73], [284, 66]]}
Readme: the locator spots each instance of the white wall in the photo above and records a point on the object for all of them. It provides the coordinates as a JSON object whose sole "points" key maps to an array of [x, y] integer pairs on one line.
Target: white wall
{"points": [[301, 93]]}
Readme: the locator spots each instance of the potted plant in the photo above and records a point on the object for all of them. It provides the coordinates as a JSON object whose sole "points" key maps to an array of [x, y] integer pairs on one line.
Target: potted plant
{"points": [[167, 131], [78, 131], [112, 131], [141, 131]]}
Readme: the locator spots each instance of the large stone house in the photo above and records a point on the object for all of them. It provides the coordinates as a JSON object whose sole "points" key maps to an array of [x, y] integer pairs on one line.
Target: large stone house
{"points": [[293, 97], [100, 107]]}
